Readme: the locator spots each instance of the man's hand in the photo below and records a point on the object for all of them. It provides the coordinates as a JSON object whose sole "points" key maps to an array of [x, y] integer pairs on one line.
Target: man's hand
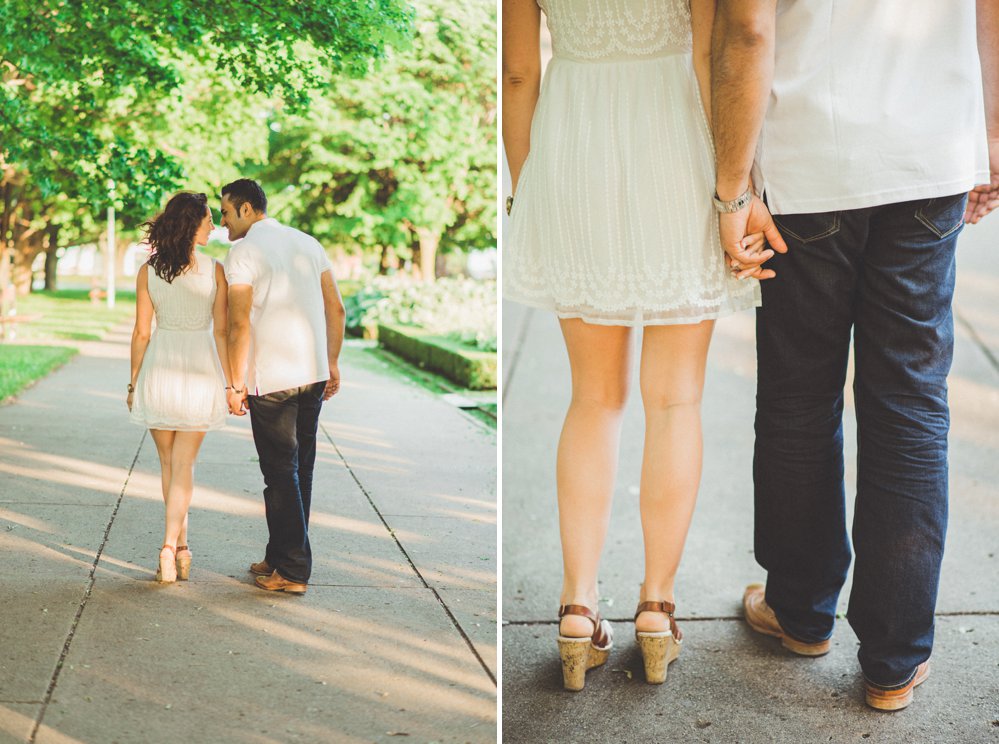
{"points": [[332, 384], [746, 255], [983, 199], [236, 402]]}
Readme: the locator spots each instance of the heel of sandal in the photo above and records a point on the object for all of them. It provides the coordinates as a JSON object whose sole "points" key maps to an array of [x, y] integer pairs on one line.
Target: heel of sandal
{"points": [[575, 655], [658, 650], [184, 563]]}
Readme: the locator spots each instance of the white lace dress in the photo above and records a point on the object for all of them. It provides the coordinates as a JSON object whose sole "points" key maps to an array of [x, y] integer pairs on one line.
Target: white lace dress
{"points": [[612, 221], [181, 386]]}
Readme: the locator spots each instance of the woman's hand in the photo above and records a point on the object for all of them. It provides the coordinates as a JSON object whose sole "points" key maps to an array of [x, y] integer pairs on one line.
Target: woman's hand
{"points": [[128, 401]]}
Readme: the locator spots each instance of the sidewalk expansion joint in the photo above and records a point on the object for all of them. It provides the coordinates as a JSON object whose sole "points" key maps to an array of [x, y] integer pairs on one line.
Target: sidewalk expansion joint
{"points": [[518, 346], [979, 342], [629, 619], [739, 618], [86, 597], [412, 565]]}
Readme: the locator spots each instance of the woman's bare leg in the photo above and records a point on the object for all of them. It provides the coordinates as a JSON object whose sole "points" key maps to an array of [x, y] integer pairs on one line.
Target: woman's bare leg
{"points": [[587, 457], [672, 382], [183, 453]]}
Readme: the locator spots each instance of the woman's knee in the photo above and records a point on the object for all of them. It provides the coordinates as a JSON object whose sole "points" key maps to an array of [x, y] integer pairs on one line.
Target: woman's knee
{"points": [[606, 395]]}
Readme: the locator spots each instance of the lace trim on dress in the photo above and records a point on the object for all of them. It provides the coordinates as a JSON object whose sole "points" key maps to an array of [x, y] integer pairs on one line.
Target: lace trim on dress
{"points": [[601, 29]]}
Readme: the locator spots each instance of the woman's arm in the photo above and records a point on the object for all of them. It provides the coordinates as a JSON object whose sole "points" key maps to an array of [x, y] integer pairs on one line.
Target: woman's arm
{"points": [[220, 321], [143, 325], [702, 20], [521, 79]]}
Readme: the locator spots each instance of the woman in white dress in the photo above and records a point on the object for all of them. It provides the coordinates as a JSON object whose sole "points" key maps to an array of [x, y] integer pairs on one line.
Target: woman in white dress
{"points": [[612, 227], [179, 376]]}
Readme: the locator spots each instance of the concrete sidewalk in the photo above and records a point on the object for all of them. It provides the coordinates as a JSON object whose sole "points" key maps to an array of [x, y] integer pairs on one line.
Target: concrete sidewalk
{"points": [[396, 636], [730, 684]]}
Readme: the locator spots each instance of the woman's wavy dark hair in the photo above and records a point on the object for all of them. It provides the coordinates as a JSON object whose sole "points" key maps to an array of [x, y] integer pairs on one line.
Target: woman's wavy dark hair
{"points": [[171, 234]]}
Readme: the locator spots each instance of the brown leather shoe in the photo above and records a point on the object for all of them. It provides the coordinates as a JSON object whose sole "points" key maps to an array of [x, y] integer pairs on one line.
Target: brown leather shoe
{"points": [[261, 569], [762, 619], [277, 583], [895, 698]]}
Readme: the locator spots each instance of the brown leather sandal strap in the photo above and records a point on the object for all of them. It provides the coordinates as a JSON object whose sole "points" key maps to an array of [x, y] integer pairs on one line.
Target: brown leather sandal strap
{"points": [[600, 637], [667, 608], [580, 610]]}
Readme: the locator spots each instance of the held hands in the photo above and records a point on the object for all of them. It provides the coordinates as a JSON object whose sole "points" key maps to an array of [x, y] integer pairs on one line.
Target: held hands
{"points": [[236, 401], [742, 237], [332, 384]]}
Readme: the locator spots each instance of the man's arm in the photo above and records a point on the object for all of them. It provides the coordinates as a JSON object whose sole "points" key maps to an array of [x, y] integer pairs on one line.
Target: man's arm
{"points": [[336, 318], [742, 66], [983, 199], [240, 303]]}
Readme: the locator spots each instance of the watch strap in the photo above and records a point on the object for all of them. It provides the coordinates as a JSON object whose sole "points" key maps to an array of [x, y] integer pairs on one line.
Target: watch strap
{"points": [[733, 205]]}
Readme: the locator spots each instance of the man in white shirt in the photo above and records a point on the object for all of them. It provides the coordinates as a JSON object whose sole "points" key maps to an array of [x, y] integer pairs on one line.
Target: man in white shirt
{"points": [[286, 324], [863, 126]]}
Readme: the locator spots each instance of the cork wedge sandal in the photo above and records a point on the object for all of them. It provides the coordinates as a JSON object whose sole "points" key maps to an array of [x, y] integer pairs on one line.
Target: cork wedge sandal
{"points": [[658, 648], [167, 571], [184, 557], [579, 655]]}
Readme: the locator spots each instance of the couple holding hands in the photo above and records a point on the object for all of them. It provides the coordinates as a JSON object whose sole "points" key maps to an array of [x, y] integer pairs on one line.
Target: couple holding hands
{"points": [[277, 320], [685, 159]]}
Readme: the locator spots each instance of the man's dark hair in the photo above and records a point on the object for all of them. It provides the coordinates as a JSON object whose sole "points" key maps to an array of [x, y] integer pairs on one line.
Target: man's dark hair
{"points": [[246, 191]]}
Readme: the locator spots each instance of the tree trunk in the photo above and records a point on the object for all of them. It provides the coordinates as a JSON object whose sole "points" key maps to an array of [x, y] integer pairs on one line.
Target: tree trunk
{"points": [[429, 240], [52, 259]]}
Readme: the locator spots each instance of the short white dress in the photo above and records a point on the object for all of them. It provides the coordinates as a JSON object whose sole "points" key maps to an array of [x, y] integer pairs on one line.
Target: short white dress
{"points": [[612, 221], [181, 386]]}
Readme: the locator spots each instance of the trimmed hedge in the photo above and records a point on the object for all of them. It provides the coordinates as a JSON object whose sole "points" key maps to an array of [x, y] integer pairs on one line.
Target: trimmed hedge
{"points": [[470, 368]]}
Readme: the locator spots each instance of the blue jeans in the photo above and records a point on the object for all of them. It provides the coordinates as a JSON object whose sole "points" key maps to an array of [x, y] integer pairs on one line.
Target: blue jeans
{"points": [[285, 424], [885, 273]]}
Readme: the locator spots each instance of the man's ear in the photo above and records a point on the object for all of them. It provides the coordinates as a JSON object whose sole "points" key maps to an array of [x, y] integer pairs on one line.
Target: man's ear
{"points": [[247, 213]]}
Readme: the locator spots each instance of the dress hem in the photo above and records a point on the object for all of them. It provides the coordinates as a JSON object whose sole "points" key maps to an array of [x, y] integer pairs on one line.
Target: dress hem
{"points": [[724, 311]]}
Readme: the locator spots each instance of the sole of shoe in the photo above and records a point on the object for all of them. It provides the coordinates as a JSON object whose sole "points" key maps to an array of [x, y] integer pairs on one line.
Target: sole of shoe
{"points": [[801, 648], [294, 589], [891, 700]]}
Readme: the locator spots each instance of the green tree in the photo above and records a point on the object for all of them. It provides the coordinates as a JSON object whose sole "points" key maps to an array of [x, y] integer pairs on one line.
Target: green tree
{"points": [[89, 89], [405, 158]]}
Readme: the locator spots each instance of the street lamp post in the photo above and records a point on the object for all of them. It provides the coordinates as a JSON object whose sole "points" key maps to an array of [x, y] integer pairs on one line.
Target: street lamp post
{"points": [[111, 244]]}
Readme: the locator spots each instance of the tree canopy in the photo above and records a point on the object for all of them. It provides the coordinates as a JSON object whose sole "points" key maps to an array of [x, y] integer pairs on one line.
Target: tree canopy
{"points": [[91, 92], [406, 157]]}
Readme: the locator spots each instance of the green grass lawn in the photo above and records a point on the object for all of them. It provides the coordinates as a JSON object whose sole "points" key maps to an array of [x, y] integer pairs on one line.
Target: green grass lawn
{"points": [[66, 314], [70, 314], [22, 365]]}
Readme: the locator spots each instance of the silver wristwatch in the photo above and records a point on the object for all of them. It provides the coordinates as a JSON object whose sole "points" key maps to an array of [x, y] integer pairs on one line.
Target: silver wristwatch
{"points": [[739, 202]]}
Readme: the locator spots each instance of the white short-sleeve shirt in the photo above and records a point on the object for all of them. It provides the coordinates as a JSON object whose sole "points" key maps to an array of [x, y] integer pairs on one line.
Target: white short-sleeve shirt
{"points": [[288, 319], [872, 103]]}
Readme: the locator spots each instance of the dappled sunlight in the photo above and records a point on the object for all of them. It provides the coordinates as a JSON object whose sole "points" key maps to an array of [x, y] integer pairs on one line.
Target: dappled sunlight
{"points": [[360, 435], [456, 577], [57, 554], [68, 471], [396, 646], [7, 515], [389, 651], [489, 506], [17, 725], [378, 571], [359, 458]]}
